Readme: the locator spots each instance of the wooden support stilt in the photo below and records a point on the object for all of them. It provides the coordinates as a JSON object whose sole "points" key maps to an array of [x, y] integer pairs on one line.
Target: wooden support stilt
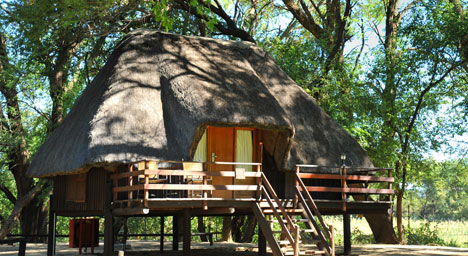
{"points": [[108, 223], [261, 243], [161, 231], [108, 234], [125, 233], [347, 234], [187, 233], [175, 233], [52, 232]]}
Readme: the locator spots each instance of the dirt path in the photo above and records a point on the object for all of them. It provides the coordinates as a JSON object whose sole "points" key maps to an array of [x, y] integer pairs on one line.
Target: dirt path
{"points": [[148, 248]]}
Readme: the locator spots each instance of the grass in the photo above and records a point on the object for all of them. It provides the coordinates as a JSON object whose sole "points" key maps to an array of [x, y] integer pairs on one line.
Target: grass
{"points": [[453, 233]]}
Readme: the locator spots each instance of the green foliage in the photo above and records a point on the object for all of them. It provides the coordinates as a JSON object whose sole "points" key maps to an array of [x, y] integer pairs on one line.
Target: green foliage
{"points": [[423, 235], [359, 237], [371, 91], [439, 190]]}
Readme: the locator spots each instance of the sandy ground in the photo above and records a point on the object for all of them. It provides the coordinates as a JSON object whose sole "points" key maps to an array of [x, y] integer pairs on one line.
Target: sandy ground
{"points": [[231, 249]]}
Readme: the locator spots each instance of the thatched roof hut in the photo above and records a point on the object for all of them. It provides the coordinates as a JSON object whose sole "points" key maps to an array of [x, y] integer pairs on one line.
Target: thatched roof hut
{"points": [[158, 92]]}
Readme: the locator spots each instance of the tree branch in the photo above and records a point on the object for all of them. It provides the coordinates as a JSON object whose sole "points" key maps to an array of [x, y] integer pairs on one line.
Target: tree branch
{"points": [[431, 85], [8, 193], [308, 24], [407, 8], [363, 41], [19, 205], [231, 28]]}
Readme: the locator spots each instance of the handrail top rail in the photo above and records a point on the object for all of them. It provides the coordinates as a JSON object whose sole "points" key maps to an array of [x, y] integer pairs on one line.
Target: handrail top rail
{"points": [[180, 172], [359, 169], [182, 162]]}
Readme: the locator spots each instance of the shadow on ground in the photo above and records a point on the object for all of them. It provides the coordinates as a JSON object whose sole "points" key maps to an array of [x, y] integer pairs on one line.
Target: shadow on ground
{"points": [[150, 248]]}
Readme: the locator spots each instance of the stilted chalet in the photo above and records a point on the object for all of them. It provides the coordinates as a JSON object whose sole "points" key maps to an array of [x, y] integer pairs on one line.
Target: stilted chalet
{"points": [[185, 126]]}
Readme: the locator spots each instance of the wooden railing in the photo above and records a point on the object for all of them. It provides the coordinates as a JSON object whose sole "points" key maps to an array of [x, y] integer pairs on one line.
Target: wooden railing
{"points": [[361, 178], [136, 185], [311, 210], [274, 203]]}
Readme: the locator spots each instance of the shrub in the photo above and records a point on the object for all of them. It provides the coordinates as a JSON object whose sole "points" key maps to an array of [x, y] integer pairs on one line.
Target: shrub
{"points": [[423, 235], [358, 237]]}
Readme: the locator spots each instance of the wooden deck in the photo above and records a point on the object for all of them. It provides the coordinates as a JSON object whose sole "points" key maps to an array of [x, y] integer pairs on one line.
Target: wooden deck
{"points": [[221, 206], [147, 188]]}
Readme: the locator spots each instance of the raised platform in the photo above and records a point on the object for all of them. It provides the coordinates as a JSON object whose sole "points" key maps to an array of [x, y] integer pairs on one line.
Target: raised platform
{"points": [[220, 206]]}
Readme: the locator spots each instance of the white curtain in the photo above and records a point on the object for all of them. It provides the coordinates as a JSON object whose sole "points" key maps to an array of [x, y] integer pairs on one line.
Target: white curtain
{"points": [[244, 152], [200, 153]]}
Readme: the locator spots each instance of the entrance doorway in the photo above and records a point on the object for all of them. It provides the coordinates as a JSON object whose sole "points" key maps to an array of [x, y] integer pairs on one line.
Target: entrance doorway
{"points": [[229, 144]]}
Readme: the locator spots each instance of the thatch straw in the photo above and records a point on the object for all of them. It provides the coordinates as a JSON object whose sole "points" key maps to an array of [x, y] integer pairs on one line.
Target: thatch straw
{"points": [[158, 91]]}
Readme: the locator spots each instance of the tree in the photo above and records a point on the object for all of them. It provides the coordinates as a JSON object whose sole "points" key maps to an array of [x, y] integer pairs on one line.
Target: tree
{"points": [[414, 73], [55, 40]]}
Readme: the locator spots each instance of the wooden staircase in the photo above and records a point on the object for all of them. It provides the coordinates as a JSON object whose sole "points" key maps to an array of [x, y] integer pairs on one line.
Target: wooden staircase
{"points": [[270, 212]]}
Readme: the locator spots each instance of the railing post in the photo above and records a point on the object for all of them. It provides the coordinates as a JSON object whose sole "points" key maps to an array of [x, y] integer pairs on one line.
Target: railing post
{"points": [[115, 183], [296, 240], [332, 240], [343, 186], [130, 183], [259, 183], [390, 184], [145, 191], [298, 169], [204, 192]]}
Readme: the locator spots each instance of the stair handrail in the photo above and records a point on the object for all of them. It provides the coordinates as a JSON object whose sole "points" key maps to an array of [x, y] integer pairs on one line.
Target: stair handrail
{"points": [[325, 244], [311, 203], [308, 204], [267, 190]]}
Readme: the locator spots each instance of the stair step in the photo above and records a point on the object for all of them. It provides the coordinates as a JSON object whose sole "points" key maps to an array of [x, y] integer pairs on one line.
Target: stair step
{"points": [[286, 210], [308, 230], [284, 242], [309, 245], [277, 221], [301, 220], [311, 252]]}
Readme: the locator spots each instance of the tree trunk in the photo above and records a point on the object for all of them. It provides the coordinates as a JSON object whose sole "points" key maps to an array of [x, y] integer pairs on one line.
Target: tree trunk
{"points": [[237, 223], [227, 229], [19, 206], [250, 225], [382, 228], [399, 208], [380, 224], [201, 229], [56, 84]]}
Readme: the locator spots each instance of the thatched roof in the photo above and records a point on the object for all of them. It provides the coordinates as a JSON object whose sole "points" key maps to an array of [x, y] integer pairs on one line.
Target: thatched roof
{"points": [[158, 91]]}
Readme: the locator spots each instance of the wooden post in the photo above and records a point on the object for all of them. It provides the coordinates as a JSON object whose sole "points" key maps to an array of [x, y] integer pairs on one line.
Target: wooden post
{"points": [[261, 243], [125, 233], [175, 232], [332, 240], [390, 184], [146, 192], [259, 183], [296, 240], [347, 234], [108, 222], [80, 241], [161, 232], [343, 183], [52, 231], [130, 183], [22, 247], [296, 199], [205, 194], [187, 232]]}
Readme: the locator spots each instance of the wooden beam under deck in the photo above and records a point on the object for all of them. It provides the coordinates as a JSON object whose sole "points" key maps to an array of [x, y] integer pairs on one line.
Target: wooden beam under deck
{"points": [[221, 206]]}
